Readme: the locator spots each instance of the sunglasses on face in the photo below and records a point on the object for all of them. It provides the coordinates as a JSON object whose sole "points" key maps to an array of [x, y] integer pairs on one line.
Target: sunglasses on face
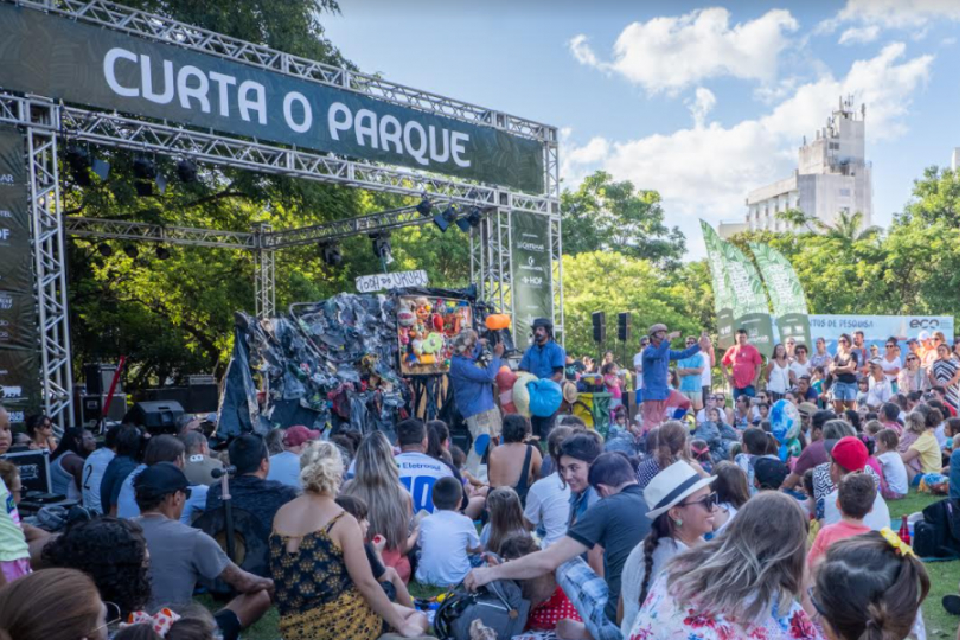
{"points": [[708, 502]]}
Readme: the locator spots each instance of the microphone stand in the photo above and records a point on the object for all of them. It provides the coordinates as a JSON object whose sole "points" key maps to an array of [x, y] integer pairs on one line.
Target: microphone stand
{"points": [[224, 475]]}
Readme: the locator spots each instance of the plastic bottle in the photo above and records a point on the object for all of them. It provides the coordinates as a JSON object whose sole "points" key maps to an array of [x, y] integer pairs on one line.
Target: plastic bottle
{"points": [[904, 530]]}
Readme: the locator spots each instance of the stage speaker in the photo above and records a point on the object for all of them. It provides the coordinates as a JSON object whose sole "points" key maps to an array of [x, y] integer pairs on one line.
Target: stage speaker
{"points": [[98, 377], [623, 327], [599, 326], [157, 417], [91, 407]]}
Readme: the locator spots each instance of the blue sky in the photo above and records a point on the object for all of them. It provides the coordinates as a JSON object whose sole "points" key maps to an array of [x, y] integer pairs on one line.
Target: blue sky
{"points": [[700, 102]]}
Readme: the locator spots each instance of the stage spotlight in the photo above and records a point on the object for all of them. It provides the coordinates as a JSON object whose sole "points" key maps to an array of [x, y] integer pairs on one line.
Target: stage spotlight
{"points": [[331, 254], [131, 250], [381, 248], [144, 169], [443, 220], [144, 189], [78, 159], [424, 207], [105, 249], [161, 252], [187, 171], [101, 168], [464, 223], [472, 219]]}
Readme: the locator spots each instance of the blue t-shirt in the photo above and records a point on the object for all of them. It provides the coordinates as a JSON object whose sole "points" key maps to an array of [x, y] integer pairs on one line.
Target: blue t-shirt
{"points": [[541, 361], [285, 469], [692, 382]]}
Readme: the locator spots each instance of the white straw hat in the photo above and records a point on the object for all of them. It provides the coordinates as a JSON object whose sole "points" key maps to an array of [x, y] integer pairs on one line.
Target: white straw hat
{"points": [[671, 486]]}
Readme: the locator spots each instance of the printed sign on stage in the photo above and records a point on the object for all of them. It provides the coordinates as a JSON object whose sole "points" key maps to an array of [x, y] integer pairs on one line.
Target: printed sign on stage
{"points": [[84, 64], [532, 290], [19, 361], [398, 280]]}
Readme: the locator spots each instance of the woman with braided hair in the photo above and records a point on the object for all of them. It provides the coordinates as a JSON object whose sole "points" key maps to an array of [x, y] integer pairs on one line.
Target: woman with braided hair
{"points": [[869, 587], [683, 509]]}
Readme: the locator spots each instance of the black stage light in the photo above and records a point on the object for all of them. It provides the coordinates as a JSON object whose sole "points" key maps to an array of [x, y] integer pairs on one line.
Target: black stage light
{"points": [[331, 254], [78, 159], [105, 249], [474, 217], [441, 222], [423, 208], [144, 189], [161, 252], [144, 169], [131, 250], [187, 171], [381, 248]]}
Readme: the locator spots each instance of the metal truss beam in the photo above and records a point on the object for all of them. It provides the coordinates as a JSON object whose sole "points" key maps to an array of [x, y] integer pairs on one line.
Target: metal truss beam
{"points": [[139, 231], [156, 27], [264, 276], [49, 265]]}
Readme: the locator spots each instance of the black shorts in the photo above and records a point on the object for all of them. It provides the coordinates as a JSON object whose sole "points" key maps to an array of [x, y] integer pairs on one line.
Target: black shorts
{"points": [[228, 623]]}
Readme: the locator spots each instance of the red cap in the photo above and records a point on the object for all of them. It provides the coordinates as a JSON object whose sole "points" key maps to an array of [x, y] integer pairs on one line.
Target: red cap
{"points": [[298, 435], [850, 453]]}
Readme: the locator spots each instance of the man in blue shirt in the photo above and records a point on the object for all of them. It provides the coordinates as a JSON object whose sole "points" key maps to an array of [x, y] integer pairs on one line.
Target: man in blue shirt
{"points": [[544, 359], [656, 366], [473, 393]]}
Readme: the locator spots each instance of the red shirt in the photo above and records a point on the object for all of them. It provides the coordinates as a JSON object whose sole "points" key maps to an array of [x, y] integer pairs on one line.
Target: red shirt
{"points": [[547, 614], [745, 360], [830, 534]]}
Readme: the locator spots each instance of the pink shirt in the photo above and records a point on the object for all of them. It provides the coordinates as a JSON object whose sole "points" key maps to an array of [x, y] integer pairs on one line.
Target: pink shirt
{"points": [[830, 534], [613, 386]]}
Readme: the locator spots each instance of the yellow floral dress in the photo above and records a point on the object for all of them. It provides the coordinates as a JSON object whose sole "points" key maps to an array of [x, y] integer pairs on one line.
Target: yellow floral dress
{"points": [[314, 593]]}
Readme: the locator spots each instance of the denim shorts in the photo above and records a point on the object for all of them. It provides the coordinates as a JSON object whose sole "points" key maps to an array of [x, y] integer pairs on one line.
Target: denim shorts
{"points": [[845, 391]]}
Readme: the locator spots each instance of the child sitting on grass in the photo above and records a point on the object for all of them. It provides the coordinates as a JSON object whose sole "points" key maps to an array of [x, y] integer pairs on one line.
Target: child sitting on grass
{"points": [[506, 518], [447, 538], [855, 498], [895, 485], [388, 577]]}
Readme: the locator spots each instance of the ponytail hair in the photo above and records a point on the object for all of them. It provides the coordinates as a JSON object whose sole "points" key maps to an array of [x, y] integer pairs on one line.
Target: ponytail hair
{"points": [[670, 443], [867, 590], [661, 527]]}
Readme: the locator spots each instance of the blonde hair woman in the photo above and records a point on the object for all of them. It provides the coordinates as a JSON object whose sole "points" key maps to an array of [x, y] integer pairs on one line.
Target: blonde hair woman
{"points": [[376, 481], [324, 585], [741, 584]]}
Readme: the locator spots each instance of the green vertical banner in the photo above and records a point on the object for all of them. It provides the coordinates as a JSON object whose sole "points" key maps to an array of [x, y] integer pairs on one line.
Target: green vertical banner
{"points": [[750, 308], [786, 293], [531, 291], [722, 292]]}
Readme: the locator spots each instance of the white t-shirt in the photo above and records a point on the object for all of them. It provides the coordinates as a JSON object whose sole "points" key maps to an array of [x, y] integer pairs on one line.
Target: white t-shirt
{"points": [[800, 370], [634, 570], [894, 472], [418, 473], [877, 519], [638, 368], [890, 366], [445, 537], [93, 469], [706, 376], [879, 392], [548, 505]]}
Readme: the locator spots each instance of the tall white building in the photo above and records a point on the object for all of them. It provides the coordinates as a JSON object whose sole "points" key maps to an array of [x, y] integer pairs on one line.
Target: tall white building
{"points": [[832, 177]]}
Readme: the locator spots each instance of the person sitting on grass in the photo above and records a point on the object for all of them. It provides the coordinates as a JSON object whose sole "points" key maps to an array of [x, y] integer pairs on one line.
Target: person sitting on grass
{"points": [[447, 538], [925, 448], [855, 499], [895, 484], [388, 577], [506, 517]]}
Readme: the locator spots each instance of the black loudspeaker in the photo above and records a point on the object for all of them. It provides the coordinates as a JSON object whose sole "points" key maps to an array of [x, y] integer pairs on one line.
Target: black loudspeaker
{"points": [[623, 327], [157, 417], [91, 408], [98, 377], [599, 326]]}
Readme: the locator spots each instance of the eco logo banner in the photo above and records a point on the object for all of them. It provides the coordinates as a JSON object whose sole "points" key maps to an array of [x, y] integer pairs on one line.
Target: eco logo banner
{"points": [[532, 291]]}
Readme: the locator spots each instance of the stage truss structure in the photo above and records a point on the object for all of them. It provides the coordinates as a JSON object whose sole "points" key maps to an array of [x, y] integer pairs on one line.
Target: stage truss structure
{"points": [[46, 121]]}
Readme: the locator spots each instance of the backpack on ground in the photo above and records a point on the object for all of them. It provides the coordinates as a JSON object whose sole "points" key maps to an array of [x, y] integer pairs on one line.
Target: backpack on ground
{"points": [[938, 533], [498, 605]]}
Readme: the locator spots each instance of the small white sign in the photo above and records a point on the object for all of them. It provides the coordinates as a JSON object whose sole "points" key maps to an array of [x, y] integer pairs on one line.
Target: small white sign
{"points": [[398, 280]]}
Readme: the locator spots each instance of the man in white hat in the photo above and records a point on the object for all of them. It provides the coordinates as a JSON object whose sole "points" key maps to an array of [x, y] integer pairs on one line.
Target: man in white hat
{"points": [[473, 392], [618, 522]]}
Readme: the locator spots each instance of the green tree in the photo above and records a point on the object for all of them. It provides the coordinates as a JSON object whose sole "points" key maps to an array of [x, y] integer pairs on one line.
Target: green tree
{"points": [[605, 214], [936, 197]]}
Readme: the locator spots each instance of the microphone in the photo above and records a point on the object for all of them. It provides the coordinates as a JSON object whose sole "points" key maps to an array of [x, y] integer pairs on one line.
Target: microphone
{"points": [[218, 473]]}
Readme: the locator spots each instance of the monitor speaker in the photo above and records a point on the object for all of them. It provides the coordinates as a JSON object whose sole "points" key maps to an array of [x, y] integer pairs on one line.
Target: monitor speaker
{"points": [[599, 326], [623, 327]]}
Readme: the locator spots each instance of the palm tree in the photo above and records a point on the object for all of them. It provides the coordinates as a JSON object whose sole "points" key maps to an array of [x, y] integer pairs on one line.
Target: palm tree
{"points": [[848, 226]]}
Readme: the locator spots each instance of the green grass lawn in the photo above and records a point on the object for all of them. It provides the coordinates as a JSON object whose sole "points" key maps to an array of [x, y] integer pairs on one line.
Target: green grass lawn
{"points": [[944, 579], [944, 576]]}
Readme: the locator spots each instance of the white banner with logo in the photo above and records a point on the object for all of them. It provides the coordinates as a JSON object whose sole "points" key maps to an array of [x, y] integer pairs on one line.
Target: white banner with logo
{"points": [[398, 280], [876, 329]]}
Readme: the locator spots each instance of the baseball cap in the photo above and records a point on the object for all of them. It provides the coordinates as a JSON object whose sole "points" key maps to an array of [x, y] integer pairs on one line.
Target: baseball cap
{"points": [[807, 408], [850, 453], [298, 435], [770, 473], [159, 480]]}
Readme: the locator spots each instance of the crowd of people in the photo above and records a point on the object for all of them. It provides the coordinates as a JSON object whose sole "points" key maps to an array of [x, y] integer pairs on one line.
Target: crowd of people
{"points": [[693, 520]]}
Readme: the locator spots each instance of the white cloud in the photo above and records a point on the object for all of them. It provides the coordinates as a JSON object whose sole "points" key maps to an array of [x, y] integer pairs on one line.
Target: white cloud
{"points": [[703, 103], [859, 35], [913, 15], [670, 53], [707, 171]]}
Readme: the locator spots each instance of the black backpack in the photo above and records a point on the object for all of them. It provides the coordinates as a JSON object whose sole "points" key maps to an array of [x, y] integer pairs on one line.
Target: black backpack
{"points": [[938, 533], [498, 605]]}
